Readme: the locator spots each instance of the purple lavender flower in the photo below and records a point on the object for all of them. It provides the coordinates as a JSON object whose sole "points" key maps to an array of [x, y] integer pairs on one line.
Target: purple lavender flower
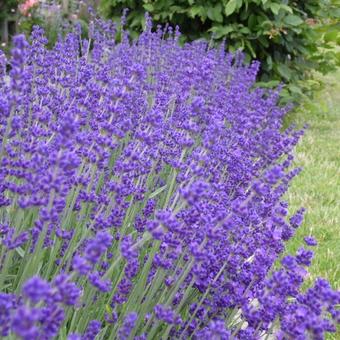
{"points": [[310, 241], [67, 292], [24, 323], [215, 330], [103, 285], [81, 265], [92, 330], [297, 218], [36, 289], [74, 337], [16, 242], [7, 305], [147, 176], [97, 246], [128, 325], [50, 320], [167, 315], [304, 257]]}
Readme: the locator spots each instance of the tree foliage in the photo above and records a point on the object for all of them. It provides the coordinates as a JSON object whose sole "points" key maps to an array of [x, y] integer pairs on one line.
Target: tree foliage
{"points": [[6, 8]]}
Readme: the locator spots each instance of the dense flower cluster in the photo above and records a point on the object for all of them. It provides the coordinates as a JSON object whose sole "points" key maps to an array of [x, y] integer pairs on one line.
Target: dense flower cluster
{"points": [[141, 194]]}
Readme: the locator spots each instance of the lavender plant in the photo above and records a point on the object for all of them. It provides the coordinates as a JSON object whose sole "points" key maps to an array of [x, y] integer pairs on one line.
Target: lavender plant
{"points": [[141, 195]]}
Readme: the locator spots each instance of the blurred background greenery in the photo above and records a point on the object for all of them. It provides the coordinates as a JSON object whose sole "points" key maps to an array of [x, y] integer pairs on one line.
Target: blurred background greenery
{"points": [[55, 16]]}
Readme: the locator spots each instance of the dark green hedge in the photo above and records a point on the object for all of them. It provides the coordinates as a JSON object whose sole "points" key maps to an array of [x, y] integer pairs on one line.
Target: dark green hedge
{"points": [[6, 6], [281, 34]]}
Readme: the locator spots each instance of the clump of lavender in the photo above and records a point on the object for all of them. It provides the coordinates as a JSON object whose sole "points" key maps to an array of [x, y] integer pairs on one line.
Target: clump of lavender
{"points": [[141, 194]]}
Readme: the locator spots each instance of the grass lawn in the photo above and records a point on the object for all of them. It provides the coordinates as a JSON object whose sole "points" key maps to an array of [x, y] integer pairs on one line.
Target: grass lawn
{"points": [[317, 188]]}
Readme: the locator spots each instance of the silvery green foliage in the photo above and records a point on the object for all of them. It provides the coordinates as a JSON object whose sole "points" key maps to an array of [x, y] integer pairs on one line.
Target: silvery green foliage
{"points": [[141, 195]]}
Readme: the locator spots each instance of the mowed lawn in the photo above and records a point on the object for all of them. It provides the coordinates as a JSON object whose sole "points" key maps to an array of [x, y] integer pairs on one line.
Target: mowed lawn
{"points": [[317, 188]]}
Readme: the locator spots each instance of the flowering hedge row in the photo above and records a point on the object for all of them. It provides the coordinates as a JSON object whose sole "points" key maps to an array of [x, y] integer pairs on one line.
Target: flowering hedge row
{"points": [[141, 196]]}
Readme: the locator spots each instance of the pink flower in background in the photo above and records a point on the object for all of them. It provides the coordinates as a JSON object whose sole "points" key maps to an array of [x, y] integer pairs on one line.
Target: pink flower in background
{"points": [[27, 5]]}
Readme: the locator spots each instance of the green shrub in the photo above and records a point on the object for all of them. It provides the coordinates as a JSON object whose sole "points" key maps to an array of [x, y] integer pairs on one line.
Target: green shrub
{"points": [[281, 34], [6, 6]]}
